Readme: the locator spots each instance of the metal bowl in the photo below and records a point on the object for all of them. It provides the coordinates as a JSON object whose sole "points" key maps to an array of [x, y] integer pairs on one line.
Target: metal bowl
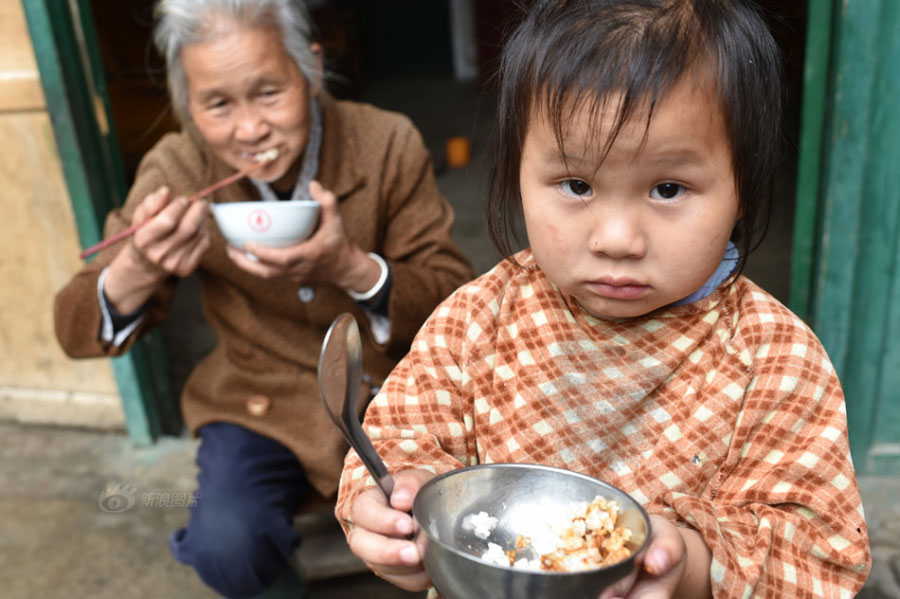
{"points": [[519, 496]]}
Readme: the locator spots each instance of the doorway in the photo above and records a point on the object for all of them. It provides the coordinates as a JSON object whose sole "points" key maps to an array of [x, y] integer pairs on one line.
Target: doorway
{"points": [[397, 54]]}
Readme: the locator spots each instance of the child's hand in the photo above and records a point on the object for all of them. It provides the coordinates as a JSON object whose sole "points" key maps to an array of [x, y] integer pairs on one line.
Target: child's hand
{"points": [[676, 564], [380, 535]]}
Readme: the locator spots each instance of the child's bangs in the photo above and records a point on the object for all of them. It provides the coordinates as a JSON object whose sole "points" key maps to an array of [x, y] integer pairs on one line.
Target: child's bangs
{"points": [[617, 67]]}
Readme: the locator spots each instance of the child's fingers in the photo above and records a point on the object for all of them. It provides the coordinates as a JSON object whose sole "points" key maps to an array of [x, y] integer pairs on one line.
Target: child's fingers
{"points": [[666, 548], [406, 485], [658, 561], [371, 512], [395, 560], [417, 581], [620, 588], [662, 565], [387, 554]]}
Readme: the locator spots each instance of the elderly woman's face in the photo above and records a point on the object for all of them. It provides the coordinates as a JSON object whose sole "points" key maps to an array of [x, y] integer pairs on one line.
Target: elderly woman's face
{"points": [[245, 96]]}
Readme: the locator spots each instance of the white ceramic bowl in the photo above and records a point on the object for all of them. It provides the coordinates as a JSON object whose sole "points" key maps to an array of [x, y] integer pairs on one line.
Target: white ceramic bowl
{"points": [[274, 224]]}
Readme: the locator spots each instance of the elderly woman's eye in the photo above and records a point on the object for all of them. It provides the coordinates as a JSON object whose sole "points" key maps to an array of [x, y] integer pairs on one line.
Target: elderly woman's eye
{"points": [[575, 187], [666, 191]]}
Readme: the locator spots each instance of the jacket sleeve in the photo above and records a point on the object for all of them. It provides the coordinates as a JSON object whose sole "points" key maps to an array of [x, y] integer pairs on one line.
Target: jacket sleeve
{"points": [[426, 265], [76, 313], [783, 517]]}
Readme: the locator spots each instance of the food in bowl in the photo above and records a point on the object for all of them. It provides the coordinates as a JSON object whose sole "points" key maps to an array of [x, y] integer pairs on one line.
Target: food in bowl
{"points": [[586, 536], [451, 530], [274, 224]]}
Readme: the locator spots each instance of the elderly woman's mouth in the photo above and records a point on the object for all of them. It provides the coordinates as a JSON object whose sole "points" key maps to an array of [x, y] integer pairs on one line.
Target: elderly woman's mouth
{"points": [[262, 157]]}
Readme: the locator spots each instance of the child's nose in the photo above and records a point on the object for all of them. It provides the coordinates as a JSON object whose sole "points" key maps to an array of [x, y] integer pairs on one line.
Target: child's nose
{"points": [[616, 233]]}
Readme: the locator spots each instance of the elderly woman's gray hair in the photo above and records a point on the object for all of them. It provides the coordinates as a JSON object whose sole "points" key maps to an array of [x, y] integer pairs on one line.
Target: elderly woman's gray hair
{"points": [[181, 22]]}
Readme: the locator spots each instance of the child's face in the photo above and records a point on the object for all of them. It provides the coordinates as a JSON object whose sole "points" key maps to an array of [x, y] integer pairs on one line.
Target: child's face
{"points": [[649, 225]]}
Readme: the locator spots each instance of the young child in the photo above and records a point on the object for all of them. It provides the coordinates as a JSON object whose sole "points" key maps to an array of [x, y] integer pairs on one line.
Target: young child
{"points": [[638, 139]]}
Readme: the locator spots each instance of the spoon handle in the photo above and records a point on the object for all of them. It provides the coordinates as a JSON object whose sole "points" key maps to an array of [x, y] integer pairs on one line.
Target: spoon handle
{"points": [[370, 458]]}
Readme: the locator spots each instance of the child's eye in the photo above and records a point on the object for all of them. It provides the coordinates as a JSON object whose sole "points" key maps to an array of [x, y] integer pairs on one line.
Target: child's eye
{"points": [[666, 191], [575, 187]]}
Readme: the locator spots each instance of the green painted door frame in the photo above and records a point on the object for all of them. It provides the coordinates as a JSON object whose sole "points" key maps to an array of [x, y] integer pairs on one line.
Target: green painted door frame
{"points": [[846, 254], [65, 47]]}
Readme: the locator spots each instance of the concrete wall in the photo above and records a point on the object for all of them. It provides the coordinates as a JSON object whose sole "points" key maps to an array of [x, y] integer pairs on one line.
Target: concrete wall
{"points": [[38, 253]]}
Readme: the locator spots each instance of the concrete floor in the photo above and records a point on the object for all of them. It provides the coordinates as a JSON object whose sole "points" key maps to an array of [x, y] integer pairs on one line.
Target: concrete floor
{"points": [[64, 535], [67, 529], [84, 514]]}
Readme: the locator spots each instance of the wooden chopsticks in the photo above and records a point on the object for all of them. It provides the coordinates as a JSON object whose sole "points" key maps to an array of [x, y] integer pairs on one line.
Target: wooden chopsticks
{"points": [[196, 196]]}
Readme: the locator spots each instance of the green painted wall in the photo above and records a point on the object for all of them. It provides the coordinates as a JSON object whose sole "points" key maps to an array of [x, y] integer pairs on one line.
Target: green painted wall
{"points": [[846, 278]]}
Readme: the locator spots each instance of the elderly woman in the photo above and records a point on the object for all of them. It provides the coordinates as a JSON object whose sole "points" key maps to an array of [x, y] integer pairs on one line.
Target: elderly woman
{"points": [[245, 78]]}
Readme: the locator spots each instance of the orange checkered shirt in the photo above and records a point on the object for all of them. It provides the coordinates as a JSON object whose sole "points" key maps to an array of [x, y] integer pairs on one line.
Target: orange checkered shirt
{"points": [[724, 415]]}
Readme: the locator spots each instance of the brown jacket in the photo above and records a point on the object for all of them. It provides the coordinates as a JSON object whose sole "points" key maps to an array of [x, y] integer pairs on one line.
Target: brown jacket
{"points": [[268, 339]]}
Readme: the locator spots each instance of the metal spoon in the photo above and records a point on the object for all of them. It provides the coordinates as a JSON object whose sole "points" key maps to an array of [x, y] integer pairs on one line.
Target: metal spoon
{"points": [[340, 366]]}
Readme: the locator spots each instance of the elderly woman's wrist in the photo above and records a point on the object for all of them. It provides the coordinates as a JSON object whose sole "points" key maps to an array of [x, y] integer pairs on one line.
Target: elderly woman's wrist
{"points": [[363, 276], [131, 279]]}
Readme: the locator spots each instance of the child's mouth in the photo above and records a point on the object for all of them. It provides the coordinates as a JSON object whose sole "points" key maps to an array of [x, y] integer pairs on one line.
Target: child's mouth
{"points": [[626, 291]]}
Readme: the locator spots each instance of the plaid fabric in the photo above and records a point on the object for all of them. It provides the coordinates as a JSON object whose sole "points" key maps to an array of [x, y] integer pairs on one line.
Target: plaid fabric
{"points": [[724, 415]]}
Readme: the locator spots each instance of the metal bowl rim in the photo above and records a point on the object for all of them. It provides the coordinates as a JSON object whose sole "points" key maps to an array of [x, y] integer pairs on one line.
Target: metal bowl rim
{"points": [[517, 465]]}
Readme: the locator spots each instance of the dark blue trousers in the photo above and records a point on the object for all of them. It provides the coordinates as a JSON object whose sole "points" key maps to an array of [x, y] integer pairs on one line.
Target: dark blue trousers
{"points": [[240, 530]]}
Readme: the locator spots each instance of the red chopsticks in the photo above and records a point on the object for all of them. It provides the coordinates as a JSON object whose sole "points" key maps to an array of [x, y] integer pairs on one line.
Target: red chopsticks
{"points": [[203, 192]]}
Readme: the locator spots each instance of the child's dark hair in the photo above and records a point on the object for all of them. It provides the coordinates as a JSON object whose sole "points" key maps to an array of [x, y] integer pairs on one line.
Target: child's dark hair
{"points": [[570, 53]]}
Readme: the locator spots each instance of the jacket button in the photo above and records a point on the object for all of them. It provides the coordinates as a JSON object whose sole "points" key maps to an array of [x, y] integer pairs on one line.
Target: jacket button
{"points": [[258, 405], [306, 294]]}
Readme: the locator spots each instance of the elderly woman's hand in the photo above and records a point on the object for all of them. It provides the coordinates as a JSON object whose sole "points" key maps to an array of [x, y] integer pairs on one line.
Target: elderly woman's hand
{"points": [[171, 241], [328, 256]]}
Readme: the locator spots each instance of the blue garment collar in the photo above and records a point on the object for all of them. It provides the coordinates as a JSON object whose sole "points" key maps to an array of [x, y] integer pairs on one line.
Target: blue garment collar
{"points": [[723, 271]]}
